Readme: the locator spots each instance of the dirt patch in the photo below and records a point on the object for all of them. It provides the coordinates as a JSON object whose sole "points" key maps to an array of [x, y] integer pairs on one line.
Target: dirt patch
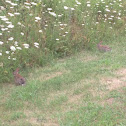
{"points": [[30, 117], [33, 121], [46, 121], [50, 123], [108, 101], [121, 72], [96, 93], [113, 83], [76, 99], [117, 82]]}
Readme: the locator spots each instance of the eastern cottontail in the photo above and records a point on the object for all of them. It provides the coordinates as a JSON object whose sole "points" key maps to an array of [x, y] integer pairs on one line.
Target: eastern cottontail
{"points": [[103, 47], [19, 80]]}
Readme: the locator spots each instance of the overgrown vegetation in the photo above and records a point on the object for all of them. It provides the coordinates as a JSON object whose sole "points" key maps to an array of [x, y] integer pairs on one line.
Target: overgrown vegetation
{"points": [[32, 33]]}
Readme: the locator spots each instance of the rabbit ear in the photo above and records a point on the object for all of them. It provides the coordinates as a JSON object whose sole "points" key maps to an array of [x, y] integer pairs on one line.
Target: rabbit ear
{"points": [[16, 71]]}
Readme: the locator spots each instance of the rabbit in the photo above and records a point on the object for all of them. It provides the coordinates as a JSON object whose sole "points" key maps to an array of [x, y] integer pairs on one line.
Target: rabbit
{"points": [[19, 80], [103, 47]]}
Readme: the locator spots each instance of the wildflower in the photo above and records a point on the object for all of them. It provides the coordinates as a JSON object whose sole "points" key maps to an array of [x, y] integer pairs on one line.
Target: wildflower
{"points": [[10, 26], [14, 59], [77, 2], [30, 14], [61, 24], [37, 18], [33, 3], [8, 1], [2, 8], [27, 3], [88, 5], [11, 38], [19, 48], [4, 29], [11, 14], [7, 52], [19, 23], [7, 22], [65, 7], [120, 6], [40, 30], [13, 4], [16, 13], [16, 43], [22, 33], [4, 19], [112, 16], [12, 48], [36, 43], [1, 43], [49, 9], [107, 10], [0, 33], [119, 13], [53, 14], [118, 18], [57, 39], [27, 7], [0, 54], [99, 11], [114, 11], [72, 8], [26, 45], [8, 57]]}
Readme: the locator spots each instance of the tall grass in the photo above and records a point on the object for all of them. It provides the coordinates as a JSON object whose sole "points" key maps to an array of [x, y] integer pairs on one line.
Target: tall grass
{"points": [[34, 32]]}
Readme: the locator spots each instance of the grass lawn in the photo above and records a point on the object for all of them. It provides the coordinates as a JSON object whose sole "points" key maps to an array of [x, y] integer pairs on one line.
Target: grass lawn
{"points": [[87, 89]]}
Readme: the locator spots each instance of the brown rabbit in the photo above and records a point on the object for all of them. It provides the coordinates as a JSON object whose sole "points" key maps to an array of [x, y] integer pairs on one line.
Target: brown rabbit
{"points": [[19, 80], [103, 47]]}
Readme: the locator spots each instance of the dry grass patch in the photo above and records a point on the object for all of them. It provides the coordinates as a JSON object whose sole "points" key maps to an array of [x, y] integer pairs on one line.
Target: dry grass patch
{"points": [[76, 99], [32, 118], [109, 101], [113, 83], [121, 72], [51, 122]]}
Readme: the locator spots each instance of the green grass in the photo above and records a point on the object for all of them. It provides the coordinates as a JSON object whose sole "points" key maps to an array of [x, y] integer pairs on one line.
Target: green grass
{"points": [[74, 91]]}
